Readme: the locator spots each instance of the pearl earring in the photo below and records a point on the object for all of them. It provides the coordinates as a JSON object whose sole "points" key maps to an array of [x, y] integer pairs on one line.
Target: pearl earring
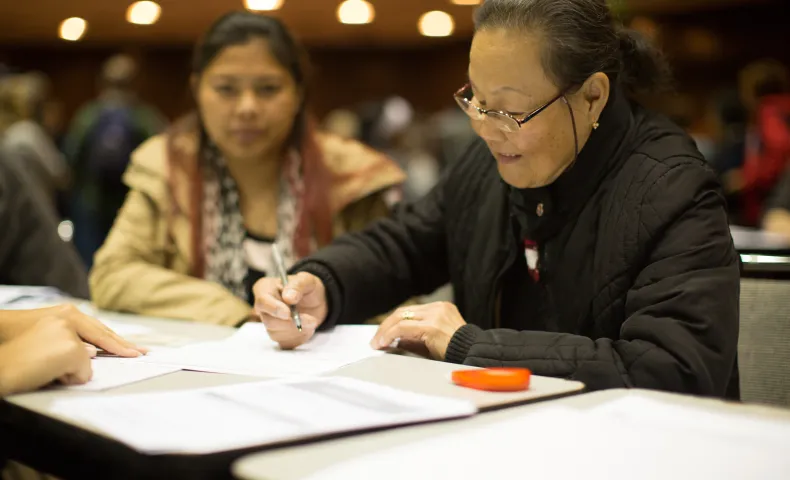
{"points": [[595, 125]]}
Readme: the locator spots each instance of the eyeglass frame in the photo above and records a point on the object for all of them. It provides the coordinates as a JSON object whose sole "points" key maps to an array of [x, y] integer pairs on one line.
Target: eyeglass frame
{"points": [[484, 112]]}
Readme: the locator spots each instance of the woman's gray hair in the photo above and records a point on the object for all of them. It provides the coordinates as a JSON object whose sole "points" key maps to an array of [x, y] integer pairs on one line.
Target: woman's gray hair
{"points": [[580, 38]]}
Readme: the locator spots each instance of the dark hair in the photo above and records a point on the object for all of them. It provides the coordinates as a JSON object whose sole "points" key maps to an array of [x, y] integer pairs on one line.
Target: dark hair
{"points": [[770, 86], [238, 28], [581, 38]]}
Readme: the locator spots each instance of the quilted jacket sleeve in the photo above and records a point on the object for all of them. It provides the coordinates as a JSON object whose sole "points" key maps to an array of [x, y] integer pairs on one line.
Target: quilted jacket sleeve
{"points": [[681, 314]]}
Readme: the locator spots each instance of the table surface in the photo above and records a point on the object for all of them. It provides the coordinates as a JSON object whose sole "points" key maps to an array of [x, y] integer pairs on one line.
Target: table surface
{"points": [[297, 462], [31, 411], [750, 240]]}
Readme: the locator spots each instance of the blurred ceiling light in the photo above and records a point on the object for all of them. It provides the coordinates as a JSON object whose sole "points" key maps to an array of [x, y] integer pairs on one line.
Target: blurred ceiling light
{"points": [[436, 24], [72, 29], [143, 13], [262, 5], [355, 12], [466, 2]]}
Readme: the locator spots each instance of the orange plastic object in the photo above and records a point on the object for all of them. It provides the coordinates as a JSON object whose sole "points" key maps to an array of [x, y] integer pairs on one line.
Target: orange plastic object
{"points": [[494, 379]]}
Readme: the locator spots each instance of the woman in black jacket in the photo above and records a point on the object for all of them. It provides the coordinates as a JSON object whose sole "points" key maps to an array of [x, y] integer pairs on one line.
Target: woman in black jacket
{"points": [[584, 236]]}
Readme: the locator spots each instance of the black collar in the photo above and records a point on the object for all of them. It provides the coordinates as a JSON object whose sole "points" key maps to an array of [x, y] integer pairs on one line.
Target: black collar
{"points": [[541, 212]]}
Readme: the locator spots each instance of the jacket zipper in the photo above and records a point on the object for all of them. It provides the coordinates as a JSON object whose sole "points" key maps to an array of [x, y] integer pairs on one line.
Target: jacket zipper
{"points": [[494, 297]]}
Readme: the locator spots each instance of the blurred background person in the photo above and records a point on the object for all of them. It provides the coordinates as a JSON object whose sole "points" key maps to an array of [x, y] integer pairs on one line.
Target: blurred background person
{"points": [[765, 94], [209, 198], [101, 139], [411, 148], [23, 105], [31, 251]]}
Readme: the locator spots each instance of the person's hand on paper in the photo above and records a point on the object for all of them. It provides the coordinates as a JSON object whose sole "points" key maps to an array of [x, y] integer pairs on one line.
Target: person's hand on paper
{"points": [[272, 304], [14, 323], [420, 327], [48, 350]]}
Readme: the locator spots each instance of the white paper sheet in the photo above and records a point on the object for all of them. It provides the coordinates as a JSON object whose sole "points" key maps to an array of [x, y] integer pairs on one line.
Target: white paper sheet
{"points": [[127, 329], [251, 352], [18, 297], [564, 444], [239, 416], [114, 372]]}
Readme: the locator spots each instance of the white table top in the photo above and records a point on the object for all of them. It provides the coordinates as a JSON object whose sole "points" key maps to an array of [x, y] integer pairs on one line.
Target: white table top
{"points": [[298, 462]]}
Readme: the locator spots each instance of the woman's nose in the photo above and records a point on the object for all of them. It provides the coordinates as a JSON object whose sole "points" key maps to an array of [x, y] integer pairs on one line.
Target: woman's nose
{"points": [[248, 104], [488, 131]]}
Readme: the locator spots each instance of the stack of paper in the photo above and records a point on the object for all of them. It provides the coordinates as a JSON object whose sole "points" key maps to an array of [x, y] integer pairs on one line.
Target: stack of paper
{"points": [[631, 439], [115, 372], [251, 352], [252, 414]]}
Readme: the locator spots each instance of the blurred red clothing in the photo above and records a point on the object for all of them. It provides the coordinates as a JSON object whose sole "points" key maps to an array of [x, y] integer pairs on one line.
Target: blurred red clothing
{"points": [[767, 154]]}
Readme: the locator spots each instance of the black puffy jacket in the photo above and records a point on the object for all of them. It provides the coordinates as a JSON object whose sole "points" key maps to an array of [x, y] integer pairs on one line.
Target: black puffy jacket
{"points": [[639, 279]]}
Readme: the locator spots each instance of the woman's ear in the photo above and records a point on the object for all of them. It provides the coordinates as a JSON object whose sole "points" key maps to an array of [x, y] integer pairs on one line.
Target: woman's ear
{"points": [[595, 92]]}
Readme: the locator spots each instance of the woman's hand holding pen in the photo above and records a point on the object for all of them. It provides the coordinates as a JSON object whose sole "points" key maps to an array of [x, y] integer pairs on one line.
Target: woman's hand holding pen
{"points": [[273, 305]]}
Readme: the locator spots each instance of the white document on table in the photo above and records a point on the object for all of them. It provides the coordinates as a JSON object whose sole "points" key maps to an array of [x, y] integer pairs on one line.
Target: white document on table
{"points": [[253, 414], [126, 329], [567, 444], [251, 352], [111, 372], [14, 297]]}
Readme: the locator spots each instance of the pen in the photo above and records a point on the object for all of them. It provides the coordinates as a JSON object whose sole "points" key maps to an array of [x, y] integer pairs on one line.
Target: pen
{"points": [[278, 262]]}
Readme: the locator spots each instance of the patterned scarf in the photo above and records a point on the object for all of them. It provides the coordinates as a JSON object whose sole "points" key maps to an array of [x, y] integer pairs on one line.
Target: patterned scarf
{"points": [[223, 225]]}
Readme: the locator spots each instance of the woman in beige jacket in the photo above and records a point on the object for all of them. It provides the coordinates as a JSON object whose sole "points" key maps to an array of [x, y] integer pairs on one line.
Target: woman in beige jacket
{"points": [[209, 198]]}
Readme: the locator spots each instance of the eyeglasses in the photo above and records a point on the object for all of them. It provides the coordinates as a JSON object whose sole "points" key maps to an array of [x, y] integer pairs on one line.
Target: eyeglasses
{"points": [[501, 120]]}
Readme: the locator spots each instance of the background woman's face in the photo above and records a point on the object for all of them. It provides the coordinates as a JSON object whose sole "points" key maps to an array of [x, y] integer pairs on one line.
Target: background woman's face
{"points": [[506, 74], [247, 101]]}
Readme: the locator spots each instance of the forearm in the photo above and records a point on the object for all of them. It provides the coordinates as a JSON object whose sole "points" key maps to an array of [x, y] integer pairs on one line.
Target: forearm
{"points": [[371, 272], [599, 364]]}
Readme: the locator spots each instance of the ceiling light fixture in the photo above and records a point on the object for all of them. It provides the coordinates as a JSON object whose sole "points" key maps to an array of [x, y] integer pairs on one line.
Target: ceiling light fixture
{"points": [[72, 29], [262, 5], [436, 24], [143, 13], [355, 12]]}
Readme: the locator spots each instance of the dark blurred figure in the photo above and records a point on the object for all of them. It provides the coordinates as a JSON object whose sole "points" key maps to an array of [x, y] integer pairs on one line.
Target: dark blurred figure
{"points": [[24, 100], [99, 144], [454, 133], [31, 252], [765, 93], [732, 118]]}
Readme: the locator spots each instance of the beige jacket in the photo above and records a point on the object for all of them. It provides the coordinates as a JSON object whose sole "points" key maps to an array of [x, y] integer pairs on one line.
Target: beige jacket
{"points": [[143, 269]]}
